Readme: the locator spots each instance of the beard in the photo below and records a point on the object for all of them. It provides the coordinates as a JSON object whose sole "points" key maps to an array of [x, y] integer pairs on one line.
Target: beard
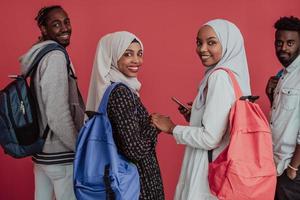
{"points": [[287, 58]]}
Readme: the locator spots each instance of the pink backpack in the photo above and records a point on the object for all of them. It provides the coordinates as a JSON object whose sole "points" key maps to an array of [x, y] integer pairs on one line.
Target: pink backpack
{"points": [[245, 169]]}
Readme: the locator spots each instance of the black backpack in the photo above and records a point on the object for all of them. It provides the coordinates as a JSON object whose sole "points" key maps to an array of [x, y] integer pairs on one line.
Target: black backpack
{"points": [[19, 129]]}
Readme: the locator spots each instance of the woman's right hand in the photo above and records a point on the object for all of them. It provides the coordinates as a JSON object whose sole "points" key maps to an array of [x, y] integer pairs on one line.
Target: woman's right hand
{"points": [[163, 123], [186, 112]]}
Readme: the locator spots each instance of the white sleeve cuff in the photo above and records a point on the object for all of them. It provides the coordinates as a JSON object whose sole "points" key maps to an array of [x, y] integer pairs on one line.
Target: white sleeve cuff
{"points": [[177, 133]]}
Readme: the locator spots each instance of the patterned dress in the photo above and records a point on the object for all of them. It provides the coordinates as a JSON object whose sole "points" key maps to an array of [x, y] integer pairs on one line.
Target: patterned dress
{"points": [[136, 139]]}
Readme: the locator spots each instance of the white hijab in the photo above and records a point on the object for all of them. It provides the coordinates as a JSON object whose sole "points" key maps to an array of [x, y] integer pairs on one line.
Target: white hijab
{"points": [[233, 56], [110, 49]]}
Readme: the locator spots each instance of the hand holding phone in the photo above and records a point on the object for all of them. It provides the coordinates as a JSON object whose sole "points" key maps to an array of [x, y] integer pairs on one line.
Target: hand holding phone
{"points": [[183, 109], [179, 103]]}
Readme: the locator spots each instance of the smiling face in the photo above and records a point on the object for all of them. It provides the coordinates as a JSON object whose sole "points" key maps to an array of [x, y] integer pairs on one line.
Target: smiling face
{"points": [[287, 46], [57, 27], [131, 61], [209, 47]]}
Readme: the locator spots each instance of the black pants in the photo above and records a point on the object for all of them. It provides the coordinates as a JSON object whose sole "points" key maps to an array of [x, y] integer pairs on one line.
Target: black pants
{"points": [[287, 189]]}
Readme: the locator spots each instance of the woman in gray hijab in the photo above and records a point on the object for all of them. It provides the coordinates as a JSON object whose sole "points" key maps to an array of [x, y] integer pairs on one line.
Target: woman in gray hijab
{"points": [[119, 58], [219, 44]]}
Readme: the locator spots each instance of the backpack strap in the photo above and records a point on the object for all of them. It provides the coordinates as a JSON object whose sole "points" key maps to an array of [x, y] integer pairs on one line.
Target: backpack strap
{"points": [[110, 195], [236, 87], [42, 53], [45, 134], [238, 94], [33, 68], [279, 74], [103, 105]]}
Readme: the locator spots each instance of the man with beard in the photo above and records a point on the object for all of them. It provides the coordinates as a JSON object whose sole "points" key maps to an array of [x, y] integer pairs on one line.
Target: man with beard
{"points": [[60, 107], [285, 113]]}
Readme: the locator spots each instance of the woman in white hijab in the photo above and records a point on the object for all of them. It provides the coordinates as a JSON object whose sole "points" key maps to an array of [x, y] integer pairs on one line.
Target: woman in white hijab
{"points": [[119, 57], [219, 44]]}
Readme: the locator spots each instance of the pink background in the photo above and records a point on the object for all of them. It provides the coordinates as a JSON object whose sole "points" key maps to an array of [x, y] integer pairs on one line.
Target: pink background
{"points": [[171, 67]]}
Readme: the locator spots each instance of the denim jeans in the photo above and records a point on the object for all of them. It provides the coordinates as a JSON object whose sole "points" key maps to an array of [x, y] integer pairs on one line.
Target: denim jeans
{"points": [[54, 182]]}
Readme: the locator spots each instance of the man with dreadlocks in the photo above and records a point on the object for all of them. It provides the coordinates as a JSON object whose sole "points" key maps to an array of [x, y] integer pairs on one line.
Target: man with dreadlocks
{"points": [[285, 113], [60, 107]]}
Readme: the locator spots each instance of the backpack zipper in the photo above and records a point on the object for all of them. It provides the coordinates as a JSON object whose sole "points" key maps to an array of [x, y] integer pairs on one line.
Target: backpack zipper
{"points": [[10, 110], [22, 107]]}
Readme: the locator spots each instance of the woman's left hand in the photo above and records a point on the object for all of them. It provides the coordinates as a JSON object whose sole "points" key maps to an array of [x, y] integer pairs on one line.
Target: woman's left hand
{"points": [[162, 122]]}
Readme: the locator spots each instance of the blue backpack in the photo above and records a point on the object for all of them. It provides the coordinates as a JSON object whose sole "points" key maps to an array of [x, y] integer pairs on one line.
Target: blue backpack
{"points": [[19, 130], [100, 171]]}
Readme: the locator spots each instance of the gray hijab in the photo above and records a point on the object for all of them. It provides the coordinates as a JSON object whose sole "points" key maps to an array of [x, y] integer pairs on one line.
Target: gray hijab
{"points": [[105, 70], [233, 55]]}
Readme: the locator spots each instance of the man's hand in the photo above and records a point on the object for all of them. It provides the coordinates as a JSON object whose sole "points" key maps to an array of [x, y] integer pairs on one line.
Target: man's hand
{"points": [[271, 85], [293, 166], [291, 173]]}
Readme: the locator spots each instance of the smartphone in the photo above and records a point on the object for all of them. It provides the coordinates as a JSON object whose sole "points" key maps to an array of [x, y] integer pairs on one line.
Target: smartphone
{"points": [[179, 103]]}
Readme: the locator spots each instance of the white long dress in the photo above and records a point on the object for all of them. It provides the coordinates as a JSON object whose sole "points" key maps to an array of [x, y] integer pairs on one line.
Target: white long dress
{"points": [[207, 130]]}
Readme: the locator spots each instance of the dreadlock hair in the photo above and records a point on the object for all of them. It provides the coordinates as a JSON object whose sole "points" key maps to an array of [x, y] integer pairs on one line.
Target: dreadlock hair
{"points": [[288, 23], [42, 15]]}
